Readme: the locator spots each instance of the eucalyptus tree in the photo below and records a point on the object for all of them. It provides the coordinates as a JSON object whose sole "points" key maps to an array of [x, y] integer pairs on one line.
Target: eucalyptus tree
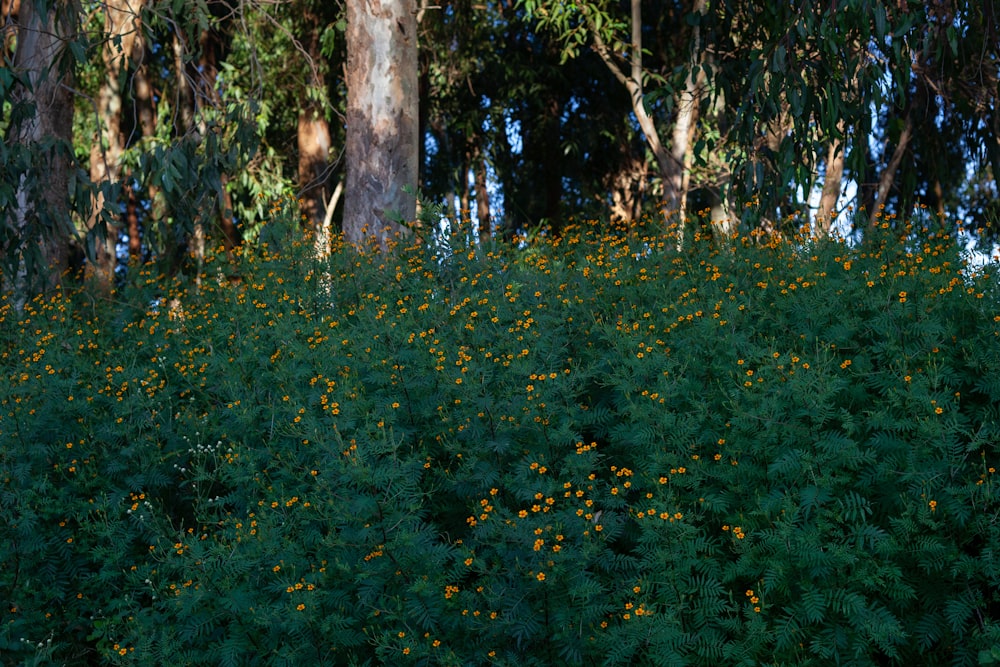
{"points": [[493, 108], [35, 223], [290, 60], [813, 83], [618, 39], [459, 81], [313, 134], [497, 104], [122, 29], [954, 157], [382, 120]]}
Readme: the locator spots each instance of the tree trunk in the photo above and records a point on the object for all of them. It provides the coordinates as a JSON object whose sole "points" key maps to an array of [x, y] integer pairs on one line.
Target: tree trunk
{"points": [[213, 45], [483, 217], [42, 218], [552, 169], [889, 174], [193, 239], [196, 92], [145, 114], [323, 234], [313, 134], [627, 185], [142, 91], [314, 149], [464, 192], [685, 125], [504, 162], [184, 101], [382, 119], [120, 30], [832, 186], [672, 164]]}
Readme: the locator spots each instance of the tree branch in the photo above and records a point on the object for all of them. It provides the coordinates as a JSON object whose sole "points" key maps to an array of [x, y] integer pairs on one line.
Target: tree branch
{"points": [[889, 175]]}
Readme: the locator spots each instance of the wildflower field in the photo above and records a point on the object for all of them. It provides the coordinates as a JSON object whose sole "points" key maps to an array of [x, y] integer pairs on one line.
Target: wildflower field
{"points": [[588, 450]]}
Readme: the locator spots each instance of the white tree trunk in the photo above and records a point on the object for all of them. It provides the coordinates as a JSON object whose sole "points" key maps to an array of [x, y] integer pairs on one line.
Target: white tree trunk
{"points": [[382, 120]]}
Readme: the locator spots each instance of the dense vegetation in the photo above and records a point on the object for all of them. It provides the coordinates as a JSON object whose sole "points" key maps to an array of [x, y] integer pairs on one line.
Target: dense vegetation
{"points": [[590, 449], [158, 124]]}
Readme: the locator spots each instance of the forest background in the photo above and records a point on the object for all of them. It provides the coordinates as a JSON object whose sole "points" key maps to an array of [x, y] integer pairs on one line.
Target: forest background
{"points": [[160, 125], [512, 333]]}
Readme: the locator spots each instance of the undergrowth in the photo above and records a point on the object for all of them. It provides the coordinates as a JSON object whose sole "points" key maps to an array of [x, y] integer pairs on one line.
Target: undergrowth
{"points": [[589, 450]]}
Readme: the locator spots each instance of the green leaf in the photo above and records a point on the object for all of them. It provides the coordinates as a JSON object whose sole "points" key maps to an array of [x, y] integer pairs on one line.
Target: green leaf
{"points": [[77, 49], [778, 61], [813, 605], [881, 25], [952, 35]]}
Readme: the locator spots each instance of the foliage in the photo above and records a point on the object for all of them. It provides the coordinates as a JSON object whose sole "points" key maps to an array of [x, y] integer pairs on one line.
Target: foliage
{"points": [[778, 84], [593, 450]]}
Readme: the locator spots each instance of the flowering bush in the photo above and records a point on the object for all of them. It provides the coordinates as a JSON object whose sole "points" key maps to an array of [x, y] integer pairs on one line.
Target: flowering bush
{"points": [[591, 450]]}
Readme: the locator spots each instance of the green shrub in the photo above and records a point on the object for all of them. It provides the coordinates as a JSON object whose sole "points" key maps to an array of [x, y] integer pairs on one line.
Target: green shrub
{"points": [[594, 450]]}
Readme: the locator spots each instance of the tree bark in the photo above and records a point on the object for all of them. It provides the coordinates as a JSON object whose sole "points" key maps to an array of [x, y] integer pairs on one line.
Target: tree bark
{"points": [[627, 185], [42, 218], [314, 149], [120, 31], [184, 101], [145, 114], [382, 120], [551, 162], [832, 186], [464, 191], [313, 134]]}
